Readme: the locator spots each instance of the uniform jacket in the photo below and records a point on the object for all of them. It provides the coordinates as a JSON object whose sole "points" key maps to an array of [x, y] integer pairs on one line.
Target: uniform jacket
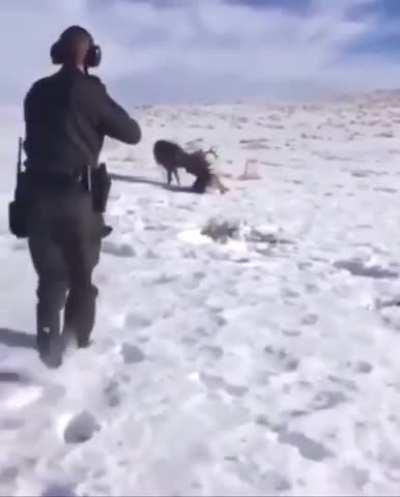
{"points": [[67, 116]]}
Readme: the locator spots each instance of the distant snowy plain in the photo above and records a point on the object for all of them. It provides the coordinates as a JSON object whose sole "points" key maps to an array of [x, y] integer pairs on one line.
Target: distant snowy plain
{"points": [[266, 363]]}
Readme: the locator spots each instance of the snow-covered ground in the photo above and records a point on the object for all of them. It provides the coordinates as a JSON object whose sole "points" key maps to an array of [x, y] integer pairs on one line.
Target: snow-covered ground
{"points": [[268, 364]]}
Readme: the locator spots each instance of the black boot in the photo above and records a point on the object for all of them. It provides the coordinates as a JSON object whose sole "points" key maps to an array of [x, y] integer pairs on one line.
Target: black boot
{"points": [[79, 316], [48, 338]]}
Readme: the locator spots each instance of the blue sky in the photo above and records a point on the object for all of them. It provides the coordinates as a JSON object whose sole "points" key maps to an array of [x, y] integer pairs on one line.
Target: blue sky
{"points": [[158, 51]]}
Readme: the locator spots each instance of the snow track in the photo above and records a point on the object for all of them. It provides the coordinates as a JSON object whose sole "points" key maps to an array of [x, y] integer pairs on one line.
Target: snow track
{"points": [[265, 365]]}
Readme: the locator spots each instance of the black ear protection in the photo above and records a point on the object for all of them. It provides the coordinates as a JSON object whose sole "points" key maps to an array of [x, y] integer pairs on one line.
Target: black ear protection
{"points": [[59, 49], [93, 57]]}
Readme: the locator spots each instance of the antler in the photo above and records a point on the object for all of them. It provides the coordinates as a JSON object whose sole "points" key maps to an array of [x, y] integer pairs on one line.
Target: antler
{"points": [[212, 151]]}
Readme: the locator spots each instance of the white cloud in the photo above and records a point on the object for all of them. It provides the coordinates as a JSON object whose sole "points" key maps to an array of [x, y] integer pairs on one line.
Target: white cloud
{"points": [[196, 48]]}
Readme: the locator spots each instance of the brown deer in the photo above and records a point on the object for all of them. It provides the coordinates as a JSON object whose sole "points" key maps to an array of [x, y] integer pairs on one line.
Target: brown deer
{"points": [[172, 157]]}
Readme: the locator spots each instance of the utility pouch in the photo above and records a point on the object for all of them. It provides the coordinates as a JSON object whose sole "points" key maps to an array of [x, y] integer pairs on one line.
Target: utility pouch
{"points": [[18, 209], [100, 187]]}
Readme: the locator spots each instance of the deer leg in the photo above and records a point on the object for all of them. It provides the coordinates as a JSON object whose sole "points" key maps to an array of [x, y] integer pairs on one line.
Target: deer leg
{"points": [[177, 177]]}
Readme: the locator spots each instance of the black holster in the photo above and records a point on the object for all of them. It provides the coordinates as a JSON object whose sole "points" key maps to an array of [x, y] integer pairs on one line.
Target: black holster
{"points": [[18, 209], [100, 187]]}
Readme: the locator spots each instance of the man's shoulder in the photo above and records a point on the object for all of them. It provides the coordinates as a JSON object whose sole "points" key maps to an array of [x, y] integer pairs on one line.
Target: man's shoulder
{"points": [[94, 79], [41, 84], [56, 77], [96, 83]]}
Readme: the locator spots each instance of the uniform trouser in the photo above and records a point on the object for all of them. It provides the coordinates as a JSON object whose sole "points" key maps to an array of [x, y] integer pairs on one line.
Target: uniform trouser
{"points": [[65, 268], [64, 242]]}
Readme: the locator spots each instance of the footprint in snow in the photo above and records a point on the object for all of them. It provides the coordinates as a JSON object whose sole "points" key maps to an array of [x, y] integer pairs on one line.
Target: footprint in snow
{"points": [[327, 400], [13, 377], [20, 391], [218, 383], [357, 268], [212, 352], [112, 394], [280, 360], [361, 367], [118, 249], [57, 489], [386, 190], [81, 428], [132, 354], [137, 321], [291, 333], [308, 448], [383, 304], [19, 246], [309, 320]]}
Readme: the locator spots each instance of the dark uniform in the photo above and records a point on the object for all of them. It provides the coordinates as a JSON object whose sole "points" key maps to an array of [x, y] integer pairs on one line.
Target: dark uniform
{"points": [[67, 117]]}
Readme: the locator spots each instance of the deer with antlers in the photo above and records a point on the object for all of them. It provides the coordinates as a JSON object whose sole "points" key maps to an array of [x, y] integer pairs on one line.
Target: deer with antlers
{"points": [[199, 163]]}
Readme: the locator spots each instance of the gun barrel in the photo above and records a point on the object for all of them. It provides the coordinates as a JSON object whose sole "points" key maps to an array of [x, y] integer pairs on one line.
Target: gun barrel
{"points": [[19, 160]]}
